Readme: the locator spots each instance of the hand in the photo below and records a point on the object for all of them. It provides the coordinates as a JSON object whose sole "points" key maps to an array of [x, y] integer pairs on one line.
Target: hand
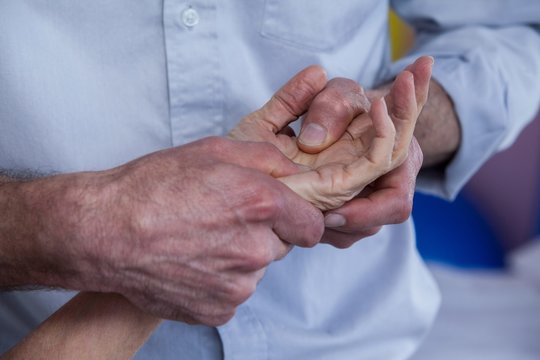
{"points": [[336, 108], [370, 145], [388, 200], [185, 233]]}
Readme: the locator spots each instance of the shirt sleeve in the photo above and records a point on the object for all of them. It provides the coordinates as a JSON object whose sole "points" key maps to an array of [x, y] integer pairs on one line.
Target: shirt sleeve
{"points": [[487, 57]]}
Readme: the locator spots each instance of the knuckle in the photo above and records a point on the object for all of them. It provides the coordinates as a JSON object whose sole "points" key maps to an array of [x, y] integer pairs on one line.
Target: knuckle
{"points": [[292, 98], [309, 231], [335, 104], [264, 204], [313, 237], [348, 85], [349, 94], [401, 111], [214, 142]]}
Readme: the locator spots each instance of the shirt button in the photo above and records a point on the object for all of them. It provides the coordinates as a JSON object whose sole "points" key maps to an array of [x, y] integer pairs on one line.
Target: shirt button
{"points": [[190, 17]]}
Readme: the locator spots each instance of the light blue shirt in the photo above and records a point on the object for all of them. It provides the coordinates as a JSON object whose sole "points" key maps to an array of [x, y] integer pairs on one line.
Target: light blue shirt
{"points": [[91, 85]]}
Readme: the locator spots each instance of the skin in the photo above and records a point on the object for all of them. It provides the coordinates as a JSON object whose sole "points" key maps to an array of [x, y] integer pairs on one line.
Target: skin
{"points": [[90, 231], [109, 326], [389, 199], [90, 326], [374, 142], [177, 247]]}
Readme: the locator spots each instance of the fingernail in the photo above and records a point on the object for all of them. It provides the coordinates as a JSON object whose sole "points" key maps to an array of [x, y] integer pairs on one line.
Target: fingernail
{"points": [[312, 135], [432, 59], [334, 220]]}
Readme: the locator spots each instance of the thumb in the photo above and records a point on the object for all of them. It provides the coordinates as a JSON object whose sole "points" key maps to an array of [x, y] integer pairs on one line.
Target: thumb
{"points": [[291, 101]]}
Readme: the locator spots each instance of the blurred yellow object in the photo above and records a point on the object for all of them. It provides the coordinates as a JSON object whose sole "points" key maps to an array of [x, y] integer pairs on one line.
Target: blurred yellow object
{"points": [[401, 36]]}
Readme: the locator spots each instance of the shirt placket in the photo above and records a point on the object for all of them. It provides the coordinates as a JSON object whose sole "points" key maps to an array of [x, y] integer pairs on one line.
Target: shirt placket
{"points": [[193, 69], [196, 102]]}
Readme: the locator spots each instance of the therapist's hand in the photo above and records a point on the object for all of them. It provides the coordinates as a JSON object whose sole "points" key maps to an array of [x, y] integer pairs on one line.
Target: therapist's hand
{"points": [[203, 221], [185, 233]]}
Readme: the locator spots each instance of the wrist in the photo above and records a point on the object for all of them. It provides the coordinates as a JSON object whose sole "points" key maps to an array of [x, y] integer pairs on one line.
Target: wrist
{"points": [[438, 130]]}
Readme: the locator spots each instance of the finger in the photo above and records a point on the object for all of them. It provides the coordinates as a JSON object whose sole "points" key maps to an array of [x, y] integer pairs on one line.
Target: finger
{"points": [[404, 113], [274, 206], [261, 156], [331, 111], [389, 203], [386, 206], [292, 100], [378, 158], [297, 222], [345, 239], [332, 185], [267, 158], [421, 70]]}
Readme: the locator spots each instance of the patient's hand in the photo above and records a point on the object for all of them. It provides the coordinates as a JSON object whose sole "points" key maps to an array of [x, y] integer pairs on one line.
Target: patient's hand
{"points": [[375, 142]]}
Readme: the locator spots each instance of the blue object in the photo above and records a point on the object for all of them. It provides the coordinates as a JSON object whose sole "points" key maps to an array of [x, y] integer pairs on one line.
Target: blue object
{"points": [[455, 233]]}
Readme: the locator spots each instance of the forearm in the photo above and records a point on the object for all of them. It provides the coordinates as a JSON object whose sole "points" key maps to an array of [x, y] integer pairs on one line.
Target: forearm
{"points": [[36, 228], [36, 231], [90, 326], [20, 226], [437, 130]]}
